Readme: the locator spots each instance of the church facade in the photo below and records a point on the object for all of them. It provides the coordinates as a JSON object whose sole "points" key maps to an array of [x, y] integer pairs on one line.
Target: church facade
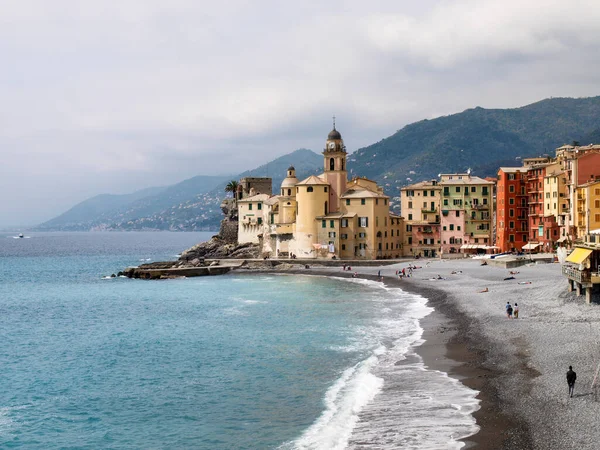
{"points": [[323, 216]]}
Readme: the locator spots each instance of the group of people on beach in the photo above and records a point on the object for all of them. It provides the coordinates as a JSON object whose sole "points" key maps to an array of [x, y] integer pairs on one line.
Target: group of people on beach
{"points": [[510, 310]]}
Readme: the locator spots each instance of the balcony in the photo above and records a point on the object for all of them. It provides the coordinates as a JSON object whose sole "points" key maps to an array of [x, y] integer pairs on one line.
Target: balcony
{"points": [[429, 210], [581, 276], [478, 207]]}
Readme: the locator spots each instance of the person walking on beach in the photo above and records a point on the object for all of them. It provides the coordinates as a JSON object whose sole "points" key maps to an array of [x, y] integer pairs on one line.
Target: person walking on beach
{"points": [[516, 310], [571, 377], [509, 310]]}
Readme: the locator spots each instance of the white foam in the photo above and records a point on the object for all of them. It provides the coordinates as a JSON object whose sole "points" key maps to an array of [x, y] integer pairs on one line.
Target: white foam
{"points": [[388, 401], [355, 388]]}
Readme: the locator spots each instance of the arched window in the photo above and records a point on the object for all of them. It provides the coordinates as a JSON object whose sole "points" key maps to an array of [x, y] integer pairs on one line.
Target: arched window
{"points": [[289, 192], [309, 189], [331, 164], [325, 209]]}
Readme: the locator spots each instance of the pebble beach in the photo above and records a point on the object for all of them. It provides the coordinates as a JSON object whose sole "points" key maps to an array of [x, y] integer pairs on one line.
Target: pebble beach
{"points": [[518, 365]]}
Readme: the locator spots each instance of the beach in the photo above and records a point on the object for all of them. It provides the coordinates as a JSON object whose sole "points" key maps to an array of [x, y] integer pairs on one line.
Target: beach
{"points": [[518, 365]]}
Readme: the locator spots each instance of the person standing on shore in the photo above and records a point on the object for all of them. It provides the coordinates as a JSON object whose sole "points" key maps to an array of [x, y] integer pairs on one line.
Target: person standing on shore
{"points": [[506, 308], [571, 377], [516, 310]]}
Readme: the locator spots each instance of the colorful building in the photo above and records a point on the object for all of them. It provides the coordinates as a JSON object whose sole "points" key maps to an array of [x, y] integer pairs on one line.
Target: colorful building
{"points": [[325, 216], [421, 211], [467, 207], [511, 209]]}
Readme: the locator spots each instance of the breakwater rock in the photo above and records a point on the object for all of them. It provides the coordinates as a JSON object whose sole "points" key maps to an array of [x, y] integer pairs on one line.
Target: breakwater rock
{"points": [[218, 247]]}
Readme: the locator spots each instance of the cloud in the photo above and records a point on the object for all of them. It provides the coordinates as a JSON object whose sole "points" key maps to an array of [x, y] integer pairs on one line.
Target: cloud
{"points": [[110, 94], [454, 33]]}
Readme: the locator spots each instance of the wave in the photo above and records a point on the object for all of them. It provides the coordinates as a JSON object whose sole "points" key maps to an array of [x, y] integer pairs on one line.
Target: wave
{"points": [[391, 399]]}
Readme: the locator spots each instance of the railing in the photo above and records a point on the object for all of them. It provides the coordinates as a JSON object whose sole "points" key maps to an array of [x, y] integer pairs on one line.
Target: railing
{"points": [[428, 210], [581, 276]]}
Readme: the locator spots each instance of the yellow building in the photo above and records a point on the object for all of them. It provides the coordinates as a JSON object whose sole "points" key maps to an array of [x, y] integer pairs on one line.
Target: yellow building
{"points": [[587, 211], [326, 216]]}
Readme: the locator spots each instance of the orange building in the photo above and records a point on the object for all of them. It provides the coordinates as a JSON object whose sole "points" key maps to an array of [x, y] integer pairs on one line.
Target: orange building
{"points": [[511, 209]]}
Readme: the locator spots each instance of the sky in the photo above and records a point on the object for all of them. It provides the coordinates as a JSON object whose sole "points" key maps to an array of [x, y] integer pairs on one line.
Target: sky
{"points": [[111, 97]]}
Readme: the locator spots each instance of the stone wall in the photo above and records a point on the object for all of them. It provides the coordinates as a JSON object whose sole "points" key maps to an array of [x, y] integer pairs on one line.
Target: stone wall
{"points": [[229, 231]]}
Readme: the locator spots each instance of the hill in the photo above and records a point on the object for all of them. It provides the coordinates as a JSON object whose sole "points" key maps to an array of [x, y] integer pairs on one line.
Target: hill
{"points": [[480, 139], [191, 205]]}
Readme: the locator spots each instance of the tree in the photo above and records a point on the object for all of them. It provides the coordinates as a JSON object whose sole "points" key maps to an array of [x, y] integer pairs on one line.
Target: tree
{"points": [[232, 187]]}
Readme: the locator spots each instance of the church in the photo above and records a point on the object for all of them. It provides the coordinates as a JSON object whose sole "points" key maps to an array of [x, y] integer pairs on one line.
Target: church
{"points": [[324, 216]]}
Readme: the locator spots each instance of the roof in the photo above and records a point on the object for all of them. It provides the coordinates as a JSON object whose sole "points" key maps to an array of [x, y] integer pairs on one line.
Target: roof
{"points": [[334, 134], [334, 215], [255, 198], [312, 181], [512, 169], [466, 180], [423, 184], [362, 193]]}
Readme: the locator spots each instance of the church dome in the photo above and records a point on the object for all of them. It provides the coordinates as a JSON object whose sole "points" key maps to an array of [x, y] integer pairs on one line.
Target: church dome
{"points": [[334, 134], [291, 168]]}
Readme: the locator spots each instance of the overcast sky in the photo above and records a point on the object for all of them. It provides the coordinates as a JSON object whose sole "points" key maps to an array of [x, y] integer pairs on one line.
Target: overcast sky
{"points": [[111, 97]]}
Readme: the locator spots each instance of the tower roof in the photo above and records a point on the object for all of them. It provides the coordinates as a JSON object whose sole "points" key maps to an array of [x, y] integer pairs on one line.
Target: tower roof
{"points": [[334, 134]]}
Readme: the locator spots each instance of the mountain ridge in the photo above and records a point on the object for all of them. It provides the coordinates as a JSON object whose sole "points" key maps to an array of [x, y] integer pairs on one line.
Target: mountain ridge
{"points": [[477, 138]]}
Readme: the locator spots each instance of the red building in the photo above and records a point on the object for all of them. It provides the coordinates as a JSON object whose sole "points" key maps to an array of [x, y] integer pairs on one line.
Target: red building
{"points": [[511, 209]]}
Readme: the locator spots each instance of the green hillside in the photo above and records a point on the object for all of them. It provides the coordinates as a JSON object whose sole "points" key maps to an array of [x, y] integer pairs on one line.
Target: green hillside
{"points": [[480, 139]]}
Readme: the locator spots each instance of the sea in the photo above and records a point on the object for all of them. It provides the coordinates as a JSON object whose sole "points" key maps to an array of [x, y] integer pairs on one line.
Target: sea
{"points": [[239, 361]]}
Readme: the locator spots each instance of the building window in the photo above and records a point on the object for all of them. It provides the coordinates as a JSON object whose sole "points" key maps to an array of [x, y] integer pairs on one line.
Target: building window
{"points": [[259, 206], [347, 201], [424, 193], [446, 190], [385, 221], [408, 228], [331, 225], [249, 206], [511, 188], [309, 189], [362, 235], [343, 246], [457, 213], [511, 225], [457, 189], [409, 240], [344, 223], [332, 234], [457, 227], [323, 224], [451, 227], [363, 222], [484, 191], [409, 205], [511, 201], [362, 201], [260, 220], [457, 202], [445, 202], [444, 228], [410, 217]]}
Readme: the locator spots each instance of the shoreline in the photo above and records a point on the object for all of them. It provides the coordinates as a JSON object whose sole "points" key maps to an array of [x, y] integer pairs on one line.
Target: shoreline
{"points": [[454, 344]]}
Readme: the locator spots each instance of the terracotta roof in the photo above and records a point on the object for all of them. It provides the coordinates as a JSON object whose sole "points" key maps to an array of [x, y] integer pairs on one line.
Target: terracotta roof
{"points": [[312, 181], [357, 192]]}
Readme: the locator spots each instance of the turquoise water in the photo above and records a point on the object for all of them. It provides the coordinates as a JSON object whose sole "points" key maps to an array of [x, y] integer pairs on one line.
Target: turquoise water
{"points": [[228, 362]]}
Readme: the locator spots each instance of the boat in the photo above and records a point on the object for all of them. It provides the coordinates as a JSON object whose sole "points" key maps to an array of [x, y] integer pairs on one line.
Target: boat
{"points": [[21, 235]]}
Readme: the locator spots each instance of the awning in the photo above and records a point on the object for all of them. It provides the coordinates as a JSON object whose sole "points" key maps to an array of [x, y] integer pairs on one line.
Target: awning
{"points": [[579, 255], [530, 246], [562, 239]]}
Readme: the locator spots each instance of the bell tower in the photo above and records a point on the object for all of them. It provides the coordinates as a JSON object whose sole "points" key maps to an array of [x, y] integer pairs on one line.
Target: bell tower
{"points": [[334, 156]]}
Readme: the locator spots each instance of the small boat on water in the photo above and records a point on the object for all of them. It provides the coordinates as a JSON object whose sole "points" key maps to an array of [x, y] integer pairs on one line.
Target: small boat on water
{"points": [[21, 235]]}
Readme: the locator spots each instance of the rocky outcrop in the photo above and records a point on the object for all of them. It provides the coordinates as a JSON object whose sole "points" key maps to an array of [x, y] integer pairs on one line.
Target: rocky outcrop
{"points": [[217, 247], [223, 245]]}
